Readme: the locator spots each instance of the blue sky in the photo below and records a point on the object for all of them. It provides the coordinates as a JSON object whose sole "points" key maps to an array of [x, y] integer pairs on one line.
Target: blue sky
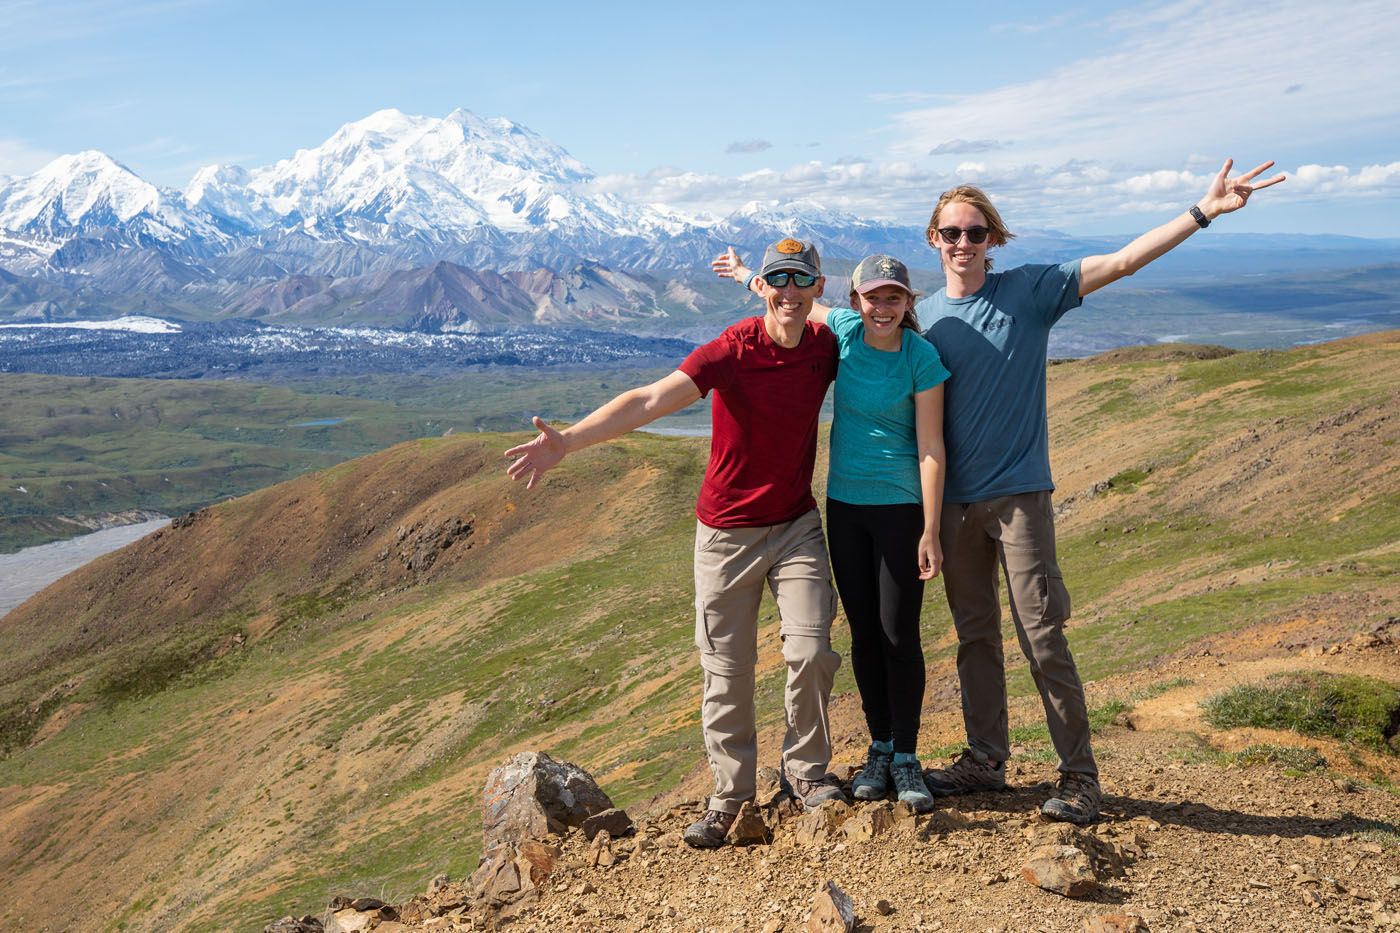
{"points": [[1093, 118]]}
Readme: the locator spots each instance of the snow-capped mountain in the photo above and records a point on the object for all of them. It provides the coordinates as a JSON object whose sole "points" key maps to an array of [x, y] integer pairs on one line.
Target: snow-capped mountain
{"points": [[394, 172], [91, 193]]}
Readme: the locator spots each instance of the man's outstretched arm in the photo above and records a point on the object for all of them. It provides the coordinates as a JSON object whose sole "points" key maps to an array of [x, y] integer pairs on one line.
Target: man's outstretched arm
{"points": [[1226, 194], [627, 412]]}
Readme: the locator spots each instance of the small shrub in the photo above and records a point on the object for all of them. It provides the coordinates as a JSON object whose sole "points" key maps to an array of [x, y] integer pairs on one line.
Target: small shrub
{"points": [[1128, 480], [1356, 709], [20, 721], [146, 671], [1380, 831], [1290, 759]]}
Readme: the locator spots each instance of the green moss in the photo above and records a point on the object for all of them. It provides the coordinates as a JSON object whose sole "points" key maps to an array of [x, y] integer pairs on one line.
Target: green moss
{"points": [[1127, 480]]}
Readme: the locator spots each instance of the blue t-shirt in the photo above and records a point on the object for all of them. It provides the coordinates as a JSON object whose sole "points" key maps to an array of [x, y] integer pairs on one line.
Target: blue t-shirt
{"points": [[874, 447], [996, 341]]}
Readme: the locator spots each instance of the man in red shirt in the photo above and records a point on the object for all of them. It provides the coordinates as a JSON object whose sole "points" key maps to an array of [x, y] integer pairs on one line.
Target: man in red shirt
{"points": [[758, 524]]}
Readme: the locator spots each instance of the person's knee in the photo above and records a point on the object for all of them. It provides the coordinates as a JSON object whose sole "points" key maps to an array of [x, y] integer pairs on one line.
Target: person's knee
{"points": [[980, 636], [808, 651]]}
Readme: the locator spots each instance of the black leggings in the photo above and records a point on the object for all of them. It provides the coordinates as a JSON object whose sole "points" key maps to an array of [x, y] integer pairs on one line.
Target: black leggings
{"points": [[874, 557]]}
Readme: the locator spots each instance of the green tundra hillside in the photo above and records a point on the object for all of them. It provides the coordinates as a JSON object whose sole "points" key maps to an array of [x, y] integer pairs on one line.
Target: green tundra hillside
{"points": [[298, 693]]}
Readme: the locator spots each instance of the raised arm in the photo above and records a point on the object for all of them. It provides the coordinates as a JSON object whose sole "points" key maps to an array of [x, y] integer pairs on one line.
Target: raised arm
{"points": [[730, 266], [627, 412], [933, 467], [1226, 194]]}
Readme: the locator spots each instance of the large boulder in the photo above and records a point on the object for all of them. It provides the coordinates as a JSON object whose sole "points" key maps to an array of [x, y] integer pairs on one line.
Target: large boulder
{"points": [[532, 796], [528, 801]]}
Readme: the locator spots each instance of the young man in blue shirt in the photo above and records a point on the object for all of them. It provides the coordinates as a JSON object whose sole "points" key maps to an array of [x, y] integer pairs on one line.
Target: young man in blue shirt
{"points": [[992, 332]]}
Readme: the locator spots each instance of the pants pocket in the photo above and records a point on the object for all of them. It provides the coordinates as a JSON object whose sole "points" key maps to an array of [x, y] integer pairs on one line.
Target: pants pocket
{"points": [[1057, 604]]}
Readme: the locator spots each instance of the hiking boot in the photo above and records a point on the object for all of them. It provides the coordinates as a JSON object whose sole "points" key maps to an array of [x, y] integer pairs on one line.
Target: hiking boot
{"points": [[970, 774], [873, 781], [812, 793], [909, 785], [709, 831], [1076, 801]]}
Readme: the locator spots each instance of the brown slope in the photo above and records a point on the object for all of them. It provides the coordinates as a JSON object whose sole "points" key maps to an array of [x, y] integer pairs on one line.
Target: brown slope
{"points": [[424, 512]]}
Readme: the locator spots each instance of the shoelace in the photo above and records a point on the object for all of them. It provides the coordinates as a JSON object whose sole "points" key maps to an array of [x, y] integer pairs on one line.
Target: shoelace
{"points": [[908, 777]]}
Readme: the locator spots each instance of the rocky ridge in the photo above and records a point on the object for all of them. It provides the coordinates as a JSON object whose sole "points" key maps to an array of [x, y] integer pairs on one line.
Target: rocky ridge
{"points": [[1183, 844]]}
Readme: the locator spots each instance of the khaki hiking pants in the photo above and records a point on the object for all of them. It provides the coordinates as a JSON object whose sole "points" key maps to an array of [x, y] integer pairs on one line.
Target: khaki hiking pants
{"points": [[731, 567], [1016, 536]]}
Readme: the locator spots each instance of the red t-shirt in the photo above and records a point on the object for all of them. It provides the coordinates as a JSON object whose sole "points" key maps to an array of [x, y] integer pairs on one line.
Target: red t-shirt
{"points": [[764, 440]]}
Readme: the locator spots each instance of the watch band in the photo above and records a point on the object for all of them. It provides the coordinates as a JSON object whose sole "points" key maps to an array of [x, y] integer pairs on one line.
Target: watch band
{"points": [[1201, 219]]}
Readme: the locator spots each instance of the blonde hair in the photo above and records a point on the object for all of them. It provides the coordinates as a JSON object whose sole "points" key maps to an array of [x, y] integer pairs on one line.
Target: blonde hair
{"points": [[975, 197], [910, 321]]}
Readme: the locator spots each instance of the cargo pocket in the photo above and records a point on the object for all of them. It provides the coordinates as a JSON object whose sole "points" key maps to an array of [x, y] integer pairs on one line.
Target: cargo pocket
{"points": [[703, 639], [1056, 597]]}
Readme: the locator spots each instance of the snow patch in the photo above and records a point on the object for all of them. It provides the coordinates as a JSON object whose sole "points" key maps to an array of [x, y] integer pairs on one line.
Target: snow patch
{"points": [[134, 323]]}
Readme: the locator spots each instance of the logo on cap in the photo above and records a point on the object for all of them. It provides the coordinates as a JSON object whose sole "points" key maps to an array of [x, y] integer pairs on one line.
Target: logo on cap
{"points": [[789, 247], [886, 267]]}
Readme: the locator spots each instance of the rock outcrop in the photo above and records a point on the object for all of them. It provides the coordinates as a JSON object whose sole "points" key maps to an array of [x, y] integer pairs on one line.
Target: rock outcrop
{"points": [[530, 802]]}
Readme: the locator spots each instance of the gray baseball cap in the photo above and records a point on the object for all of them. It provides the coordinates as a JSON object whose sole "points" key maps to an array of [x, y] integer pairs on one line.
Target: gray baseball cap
{"points": [[875, 271], [793, 255]]}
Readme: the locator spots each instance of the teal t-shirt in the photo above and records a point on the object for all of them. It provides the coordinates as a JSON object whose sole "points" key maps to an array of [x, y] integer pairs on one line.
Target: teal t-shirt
{"points": [[996, 341], [874, 448]]}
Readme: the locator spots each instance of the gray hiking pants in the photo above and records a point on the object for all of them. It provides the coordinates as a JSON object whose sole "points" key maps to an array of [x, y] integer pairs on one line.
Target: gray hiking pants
{"points": [[1014, 536]]}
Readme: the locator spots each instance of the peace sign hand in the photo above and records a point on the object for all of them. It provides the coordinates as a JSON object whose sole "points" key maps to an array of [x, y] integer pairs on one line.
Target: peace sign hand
{"points": [[1228, 194]]}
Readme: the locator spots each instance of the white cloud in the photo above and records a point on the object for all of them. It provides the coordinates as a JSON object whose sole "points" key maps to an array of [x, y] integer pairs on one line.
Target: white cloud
{"points": [[1192, 76], [1030, 194], [745, 146], [1163, 180], [1338, 179]]}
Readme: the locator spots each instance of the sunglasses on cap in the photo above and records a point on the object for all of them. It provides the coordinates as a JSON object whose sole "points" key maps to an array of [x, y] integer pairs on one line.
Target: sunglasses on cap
{"points": [[951, 235], [800, 279]]}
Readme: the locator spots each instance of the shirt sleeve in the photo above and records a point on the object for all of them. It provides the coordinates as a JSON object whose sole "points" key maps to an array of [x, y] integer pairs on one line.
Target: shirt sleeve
{"points": [[708, 365], [929, 370], [1055, 289], [845, 324]]}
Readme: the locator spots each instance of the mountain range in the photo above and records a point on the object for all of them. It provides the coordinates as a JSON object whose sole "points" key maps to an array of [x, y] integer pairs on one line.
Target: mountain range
{"points": [[452, 223]]}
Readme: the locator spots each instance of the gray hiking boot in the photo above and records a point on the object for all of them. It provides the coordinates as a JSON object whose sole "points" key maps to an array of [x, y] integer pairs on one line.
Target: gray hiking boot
{"points": [[812, 794], [909, 785], [709, 831], [1076, 801], [972, 773], [873, 781]]}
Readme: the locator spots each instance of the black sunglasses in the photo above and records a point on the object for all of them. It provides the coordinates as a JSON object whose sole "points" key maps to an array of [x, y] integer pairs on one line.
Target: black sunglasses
{"points": [[800, 279], [951, 235]]}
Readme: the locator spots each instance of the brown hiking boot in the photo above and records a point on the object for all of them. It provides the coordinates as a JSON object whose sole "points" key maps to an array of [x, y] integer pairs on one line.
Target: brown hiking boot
{"points": [[709, 831], [813, 794], [1077, 800], [971, 773]]}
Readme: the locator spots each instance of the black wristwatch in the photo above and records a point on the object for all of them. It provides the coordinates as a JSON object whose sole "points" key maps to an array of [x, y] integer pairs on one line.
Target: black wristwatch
{"points": [[1201, 219]]}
